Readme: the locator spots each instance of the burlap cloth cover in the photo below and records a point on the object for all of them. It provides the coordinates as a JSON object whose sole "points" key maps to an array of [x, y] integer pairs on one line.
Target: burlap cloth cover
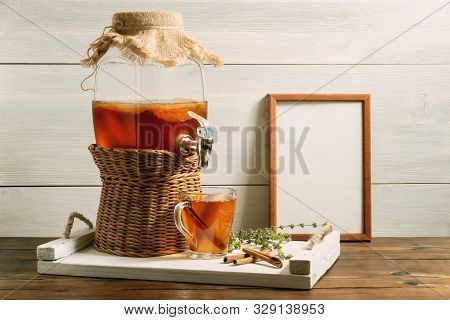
{"points": [[139, 192], [155, 36]]}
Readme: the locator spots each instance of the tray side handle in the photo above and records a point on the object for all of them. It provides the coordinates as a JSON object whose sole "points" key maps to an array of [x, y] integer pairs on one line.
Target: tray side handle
{"points": [[63, 247]]}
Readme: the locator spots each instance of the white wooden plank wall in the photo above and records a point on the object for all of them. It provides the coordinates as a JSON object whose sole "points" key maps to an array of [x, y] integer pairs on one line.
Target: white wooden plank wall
{"points": [[268, 46]]}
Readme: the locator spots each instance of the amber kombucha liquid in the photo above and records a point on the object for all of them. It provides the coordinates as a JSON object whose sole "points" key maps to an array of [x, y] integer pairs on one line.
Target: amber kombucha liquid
{"points": [[209, 221], [144, 125]]}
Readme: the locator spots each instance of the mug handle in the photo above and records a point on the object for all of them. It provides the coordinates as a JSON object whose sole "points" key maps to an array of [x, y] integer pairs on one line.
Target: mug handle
{"points": [[179, 221]]}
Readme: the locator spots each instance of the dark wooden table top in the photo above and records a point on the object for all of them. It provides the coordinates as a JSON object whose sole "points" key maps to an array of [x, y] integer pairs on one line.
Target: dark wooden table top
{"points": [[386, 268]]}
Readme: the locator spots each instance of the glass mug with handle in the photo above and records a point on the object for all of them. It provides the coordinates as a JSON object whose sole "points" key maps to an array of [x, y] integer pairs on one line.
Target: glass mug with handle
{"points": [[205, 219]]}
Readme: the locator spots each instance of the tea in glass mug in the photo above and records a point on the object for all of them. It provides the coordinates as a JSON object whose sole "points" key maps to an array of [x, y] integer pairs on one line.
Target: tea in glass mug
{"points": [[205, 219]]}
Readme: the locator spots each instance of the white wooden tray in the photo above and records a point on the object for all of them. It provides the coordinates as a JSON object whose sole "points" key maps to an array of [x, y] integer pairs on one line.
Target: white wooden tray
{"points": [[88, 262]]}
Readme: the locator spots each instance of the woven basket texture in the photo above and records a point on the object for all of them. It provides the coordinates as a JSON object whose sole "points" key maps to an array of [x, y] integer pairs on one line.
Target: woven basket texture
{"points": [[140, 189]]}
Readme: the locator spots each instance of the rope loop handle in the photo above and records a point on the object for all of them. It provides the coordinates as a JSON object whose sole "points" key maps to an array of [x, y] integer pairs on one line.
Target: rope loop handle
{"points": [[70, 221], [316, 237]]}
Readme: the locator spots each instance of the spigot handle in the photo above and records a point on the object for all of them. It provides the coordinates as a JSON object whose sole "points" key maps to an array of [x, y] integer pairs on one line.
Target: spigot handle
{"points": [[202, 121], [203, 145]]}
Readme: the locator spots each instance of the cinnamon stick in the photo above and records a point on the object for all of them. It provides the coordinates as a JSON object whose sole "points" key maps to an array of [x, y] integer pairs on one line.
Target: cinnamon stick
{"points": [[243, 258], [274, 261], [199, 222], [231, 257], [246, 260]]}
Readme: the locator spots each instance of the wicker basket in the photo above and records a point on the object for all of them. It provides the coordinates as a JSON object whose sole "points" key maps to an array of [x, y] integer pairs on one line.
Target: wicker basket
{"points": [[139, 192]]}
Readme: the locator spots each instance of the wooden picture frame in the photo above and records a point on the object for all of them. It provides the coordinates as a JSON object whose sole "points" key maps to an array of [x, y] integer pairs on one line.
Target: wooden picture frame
{"points": [[302, 99]]}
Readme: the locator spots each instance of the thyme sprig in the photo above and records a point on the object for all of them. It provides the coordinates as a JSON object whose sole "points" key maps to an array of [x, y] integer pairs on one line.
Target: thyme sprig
{"points": [[266, 238]]}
